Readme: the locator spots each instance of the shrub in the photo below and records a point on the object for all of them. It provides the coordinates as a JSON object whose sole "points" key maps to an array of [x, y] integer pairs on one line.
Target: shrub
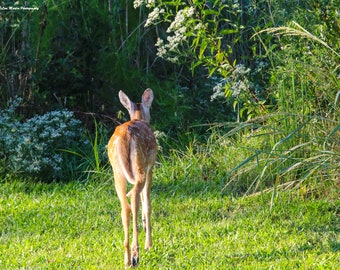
{"points": [[36, 147]]}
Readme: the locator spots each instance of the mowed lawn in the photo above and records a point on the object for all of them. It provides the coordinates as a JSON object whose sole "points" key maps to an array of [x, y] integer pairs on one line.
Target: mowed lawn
{"points": [[77, 226]]}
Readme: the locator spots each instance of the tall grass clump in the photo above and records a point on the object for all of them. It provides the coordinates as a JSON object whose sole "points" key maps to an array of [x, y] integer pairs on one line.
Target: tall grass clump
{"points": [[307, 79], [255, 157], [92, 156], [285, 158]]}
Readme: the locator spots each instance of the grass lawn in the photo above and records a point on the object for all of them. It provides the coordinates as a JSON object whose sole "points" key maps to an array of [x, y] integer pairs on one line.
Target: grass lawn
{"points": [[77, 226]]}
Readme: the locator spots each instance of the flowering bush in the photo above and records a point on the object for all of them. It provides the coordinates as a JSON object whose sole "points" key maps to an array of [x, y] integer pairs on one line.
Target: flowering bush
{"points": [[195, 31], [211, 34], [35, 148]]}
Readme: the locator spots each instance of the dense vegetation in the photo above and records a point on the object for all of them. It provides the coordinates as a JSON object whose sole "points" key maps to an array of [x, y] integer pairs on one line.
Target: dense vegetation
{"points": [[259, 77], [246, 112]]}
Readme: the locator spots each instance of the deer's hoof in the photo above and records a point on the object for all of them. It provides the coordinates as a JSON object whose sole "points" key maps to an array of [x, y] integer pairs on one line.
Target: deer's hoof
{"points": [[134, 261]]}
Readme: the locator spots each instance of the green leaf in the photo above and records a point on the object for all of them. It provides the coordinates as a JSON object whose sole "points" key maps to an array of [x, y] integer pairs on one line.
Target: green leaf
{"points": [[228, 31], [203, 47]]}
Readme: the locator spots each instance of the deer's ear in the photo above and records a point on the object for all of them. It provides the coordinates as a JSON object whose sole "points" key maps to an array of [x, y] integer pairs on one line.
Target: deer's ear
{"points": [[147, 98], [124, 99]]}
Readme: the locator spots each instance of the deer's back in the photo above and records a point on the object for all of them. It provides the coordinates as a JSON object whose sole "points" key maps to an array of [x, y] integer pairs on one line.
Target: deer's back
{"points": [[137, 140]]}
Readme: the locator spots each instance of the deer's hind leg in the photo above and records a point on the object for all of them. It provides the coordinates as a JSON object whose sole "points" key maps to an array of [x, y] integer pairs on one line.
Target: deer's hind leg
{"points": [[120, 185], [135, 195], [146, 213]]}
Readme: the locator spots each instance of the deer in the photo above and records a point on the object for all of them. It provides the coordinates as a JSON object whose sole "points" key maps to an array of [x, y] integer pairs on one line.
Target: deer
{"points": [[132, 152]]}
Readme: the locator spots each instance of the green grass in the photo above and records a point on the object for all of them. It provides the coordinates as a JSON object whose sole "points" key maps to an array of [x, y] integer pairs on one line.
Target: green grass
{"points": [[77, 226]]}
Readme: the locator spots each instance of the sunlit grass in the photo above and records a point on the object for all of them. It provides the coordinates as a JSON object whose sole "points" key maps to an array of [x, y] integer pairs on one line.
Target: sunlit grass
{"points": [[67, 226]]}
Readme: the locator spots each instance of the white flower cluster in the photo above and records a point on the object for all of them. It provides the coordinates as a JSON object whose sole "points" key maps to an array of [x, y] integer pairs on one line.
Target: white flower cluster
{"points": [[137, 3], [33, 148], [238, 82], [199, 26], [218, 90], [153, 16], [180, 18], [241, 82], [148, 3], [178, 28], [238, 87]]}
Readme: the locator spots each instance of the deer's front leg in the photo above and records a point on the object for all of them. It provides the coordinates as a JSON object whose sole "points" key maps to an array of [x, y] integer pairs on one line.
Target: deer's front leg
{"points": [[135, 200]]}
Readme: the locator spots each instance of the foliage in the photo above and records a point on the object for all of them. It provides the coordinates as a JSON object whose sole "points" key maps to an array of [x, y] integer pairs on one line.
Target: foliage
{"points": [[306, 57], [79, 54], [35, 147], [246, 61], [67, 53], [215, 34], [212, 34], [296, 145], [82, 54]]}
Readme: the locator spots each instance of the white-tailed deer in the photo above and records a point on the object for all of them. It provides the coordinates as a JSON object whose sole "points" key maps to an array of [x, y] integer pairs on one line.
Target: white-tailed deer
{"points": [[132, 152]]}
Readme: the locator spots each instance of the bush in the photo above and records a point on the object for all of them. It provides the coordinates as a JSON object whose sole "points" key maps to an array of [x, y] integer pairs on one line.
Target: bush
{"points": [[36, 147]]}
